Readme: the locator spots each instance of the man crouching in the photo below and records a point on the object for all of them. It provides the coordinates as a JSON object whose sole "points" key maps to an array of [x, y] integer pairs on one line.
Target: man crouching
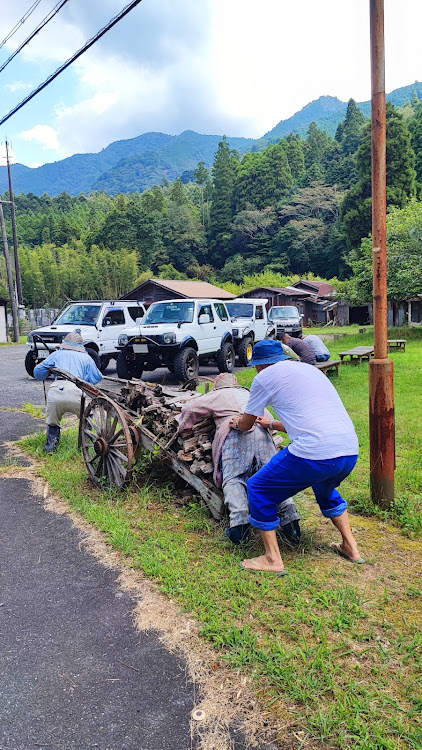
{"points": [[237, 455], [64, 396]]}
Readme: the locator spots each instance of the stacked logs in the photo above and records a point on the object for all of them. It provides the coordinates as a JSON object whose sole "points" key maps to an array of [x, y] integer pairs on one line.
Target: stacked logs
{"points": [[158, 408]]}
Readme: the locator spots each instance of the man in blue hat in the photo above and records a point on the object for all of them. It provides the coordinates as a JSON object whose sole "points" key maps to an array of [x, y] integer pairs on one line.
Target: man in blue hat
{"points": [[323, 449]]}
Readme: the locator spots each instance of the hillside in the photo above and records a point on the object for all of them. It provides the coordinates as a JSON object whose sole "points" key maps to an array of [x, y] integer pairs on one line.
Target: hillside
{"points": [[138, 163]]}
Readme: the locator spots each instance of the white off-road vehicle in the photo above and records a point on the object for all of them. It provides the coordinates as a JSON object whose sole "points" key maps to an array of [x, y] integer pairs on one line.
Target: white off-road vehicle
{"points": [[250, 324], [179, 334], [99, 323], [286, 319]]}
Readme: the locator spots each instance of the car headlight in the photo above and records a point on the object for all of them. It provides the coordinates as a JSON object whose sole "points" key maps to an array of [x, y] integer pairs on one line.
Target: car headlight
{"points": [[235, 331], [30, 338], [169, 338], [123, 339]]}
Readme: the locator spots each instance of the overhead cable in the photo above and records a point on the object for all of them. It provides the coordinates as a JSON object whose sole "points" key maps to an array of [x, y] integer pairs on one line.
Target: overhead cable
{"points": [[40, 26], [72, 59], [19, 23]]}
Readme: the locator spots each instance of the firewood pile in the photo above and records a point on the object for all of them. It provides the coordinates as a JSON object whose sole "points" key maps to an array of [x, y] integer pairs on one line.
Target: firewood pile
{"points": [[158, 407]]}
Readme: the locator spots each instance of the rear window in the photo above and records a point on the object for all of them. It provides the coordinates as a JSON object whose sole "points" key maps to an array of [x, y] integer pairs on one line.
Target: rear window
{"points": [[221, 311]]}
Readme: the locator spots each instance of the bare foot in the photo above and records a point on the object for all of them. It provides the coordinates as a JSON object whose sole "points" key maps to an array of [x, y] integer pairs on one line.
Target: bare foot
{"points": [[350, 552], [262, 563]]}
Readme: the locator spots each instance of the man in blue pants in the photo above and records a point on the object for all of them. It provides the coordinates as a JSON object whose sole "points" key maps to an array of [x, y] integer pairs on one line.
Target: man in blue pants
{"points": [[322, 452]]}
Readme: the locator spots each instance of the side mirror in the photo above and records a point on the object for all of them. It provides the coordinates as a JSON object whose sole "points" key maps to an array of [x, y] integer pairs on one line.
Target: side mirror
{"points": [[301, 316], [204, 318], [138, 321]]}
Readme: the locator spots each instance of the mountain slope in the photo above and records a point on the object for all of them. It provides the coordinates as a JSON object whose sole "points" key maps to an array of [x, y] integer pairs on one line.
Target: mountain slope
{"points": [[141, 162]]}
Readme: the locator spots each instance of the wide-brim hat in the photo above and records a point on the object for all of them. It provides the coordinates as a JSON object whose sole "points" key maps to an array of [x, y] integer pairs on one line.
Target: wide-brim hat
{"points": [[74, 342], [267, 352]]}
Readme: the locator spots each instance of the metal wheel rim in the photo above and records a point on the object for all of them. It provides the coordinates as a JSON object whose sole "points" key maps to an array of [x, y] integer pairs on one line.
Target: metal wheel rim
{"points": [[229, 358], [249, 352], [107, 443], [191, 367]]}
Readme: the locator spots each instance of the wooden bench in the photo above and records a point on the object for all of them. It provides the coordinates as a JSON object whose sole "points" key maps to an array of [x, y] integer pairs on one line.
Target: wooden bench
{"points": [[399, 344], [330, 364], [358, 354]]}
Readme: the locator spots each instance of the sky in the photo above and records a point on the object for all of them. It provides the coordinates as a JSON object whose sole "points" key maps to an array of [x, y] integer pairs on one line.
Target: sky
{"points": [[233, 67]]}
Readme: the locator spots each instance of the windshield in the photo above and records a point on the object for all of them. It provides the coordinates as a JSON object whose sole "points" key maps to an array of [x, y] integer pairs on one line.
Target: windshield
{"points": [[170, 312], [86, 315], [284, 312], [239, 310]]}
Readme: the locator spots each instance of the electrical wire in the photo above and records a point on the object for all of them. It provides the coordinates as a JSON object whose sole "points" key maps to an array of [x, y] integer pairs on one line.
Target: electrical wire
{"points": [[40, 26], [72, 59], [19, 23]]}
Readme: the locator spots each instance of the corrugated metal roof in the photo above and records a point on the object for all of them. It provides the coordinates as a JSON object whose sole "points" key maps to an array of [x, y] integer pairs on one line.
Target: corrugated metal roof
{"points": [[190, 289]]}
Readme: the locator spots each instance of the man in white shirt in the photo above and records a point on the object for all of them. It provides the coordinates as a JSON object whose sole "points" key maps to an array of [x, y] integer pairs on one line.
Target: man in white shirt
{"points": [[323, 450]]}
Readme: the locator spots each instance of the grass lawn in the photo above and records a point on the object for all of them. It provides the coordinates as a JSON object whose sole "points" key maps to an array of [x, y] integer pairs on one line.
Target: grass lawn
{"points": [[334, 649], [23, 340]]}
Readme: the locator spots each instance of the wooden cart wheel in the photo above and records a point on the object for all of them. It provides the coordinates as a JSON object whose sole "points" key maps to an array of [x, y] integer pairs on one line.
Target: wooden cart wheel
{"points": [[107, 443]]}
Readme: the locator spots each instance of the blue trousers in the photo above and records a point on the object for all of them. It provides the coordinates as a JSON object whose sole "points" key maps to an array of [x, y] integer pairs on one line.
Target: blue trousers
{"points": [[286, 475], [322, 357]]}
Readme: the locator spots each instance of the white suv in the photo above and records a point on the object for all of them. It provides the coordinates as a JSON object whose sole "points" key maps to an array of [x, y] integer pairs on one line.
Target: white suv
{"points": [[178, 334], [99, 324]]}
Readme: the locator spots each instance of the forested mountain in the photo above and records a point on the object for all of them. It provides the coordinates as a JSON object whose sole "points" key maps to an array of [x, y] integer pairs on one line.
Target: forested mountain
{"points": [[297, 207], [138, 163]]}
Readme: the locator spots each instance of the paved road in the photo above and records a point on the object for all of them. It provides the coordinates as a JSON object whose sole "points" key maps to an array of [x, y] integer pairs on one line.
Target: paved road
{"points": [[17, 387], [66, 633]]}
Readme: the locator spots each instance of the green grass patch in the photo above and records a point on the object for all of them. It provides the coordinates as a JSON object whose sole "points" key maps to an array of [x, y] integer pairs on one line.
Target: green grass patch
{"points": [[334, 649], [23, 340]]}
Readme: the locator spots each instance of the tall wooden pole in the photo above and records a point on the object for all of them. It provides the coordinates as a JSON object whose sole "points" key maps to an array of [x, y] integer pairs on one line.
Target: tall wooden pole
{"points": [[9, 277], [381, 385], [14, 232]]}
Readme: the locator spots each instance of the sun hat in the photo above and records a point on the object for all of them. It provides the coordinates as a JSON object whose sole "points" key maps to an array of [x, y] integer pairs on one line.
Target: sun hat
{"points": [[74, 342], [225, 380], [267, 352]]}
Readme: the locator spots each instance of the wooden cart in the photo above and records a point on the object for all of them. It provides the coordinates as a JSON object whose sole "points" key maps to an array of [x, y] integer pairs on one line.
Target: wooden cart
{"points": [[116, 422]]}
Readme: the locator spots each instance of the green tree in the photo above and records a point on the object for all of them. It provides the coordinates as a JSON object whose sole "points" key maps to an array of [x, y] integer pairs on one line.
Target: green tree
{"points": [[225, 168], [356, 211]]}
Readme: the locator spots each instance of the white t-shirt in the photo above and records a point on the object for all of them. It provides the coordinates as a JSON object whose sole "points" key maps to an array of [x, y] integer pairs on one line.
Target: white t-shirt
{"points": [[310, 408]]}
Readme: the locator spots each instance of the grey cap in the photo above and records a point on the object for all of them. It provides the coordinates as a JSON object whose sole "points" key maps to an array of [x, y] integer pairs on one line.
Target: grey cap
{"points": [[73, 341]]}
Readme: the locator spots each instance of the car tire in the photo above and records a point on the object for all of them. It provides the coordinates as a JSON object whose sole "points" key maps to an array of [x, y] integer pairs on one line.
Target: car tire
{"points": [[244, 351], [95, 356], [127, 368], [225, 357], [30, 363], [186, 364], [104, 362]]}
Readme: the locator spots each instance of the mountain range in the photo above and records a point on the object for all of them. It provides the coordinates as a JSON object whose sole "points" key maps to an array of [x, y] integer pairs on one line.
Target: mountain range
{"points": [[138, 163]]}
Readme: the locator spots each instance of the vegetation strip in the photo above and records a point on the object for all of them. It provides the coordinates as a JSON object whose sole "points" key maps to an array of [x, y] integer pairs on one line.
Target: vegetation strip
{"points": [[334, 650]]}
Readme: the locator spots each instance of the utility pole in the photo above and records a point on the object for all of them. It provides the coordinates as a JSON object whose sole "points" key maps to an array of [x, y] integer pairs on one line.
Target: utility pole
{"points": [[381, 384], [9, 276], [14, 232]]}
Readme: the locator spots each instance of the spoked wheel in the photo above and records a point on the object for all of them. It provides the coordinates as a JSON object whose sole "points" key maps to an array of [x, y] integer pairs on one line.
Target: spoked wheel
{"points": [[108, 444]]}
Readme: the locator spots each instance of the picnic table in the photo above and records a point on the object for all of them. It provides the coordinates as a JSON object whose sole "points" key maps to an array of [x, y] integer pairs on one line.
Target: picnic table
{"points": [[358, 353], [399, 344], [329, 364]]}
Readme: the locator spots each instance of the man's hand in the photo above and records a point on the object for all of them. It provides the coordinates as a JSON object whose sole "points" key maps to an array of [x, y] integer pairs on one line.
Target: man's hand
{"points": [[264, 422], [234, 422]]}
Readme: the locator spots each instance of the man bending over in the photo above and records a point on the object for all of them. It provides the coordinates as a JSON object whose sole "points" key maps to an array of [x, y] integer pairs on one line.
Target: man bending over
{"points": [[237, 455], [323, 450]]}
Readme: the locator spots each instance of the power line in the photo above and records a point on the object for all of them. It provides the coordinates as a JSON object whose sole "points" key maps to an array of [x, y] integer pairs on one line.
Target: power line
{"points": [[72, 59], [19, 23], [40, 26]]}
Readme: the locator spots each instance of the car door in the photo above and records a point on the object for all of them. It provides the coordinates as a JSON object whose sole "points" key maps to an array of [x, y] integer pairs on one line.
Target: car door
{"points": [[111, 324], [223, 322], [260, 322], [207, 337]]}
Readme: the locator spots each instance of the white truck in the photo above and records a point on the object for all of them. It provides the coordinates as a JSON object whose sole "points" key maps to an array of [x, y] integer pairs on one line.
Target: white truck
{"points": [[286, 319], [98, 322], [179, 334], [250, 324]]}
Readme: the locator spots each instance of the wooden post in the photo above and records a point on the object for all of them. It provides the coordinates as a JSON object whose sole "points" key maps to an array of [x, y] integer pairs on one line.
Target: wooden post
{"points": [[9, 277]]}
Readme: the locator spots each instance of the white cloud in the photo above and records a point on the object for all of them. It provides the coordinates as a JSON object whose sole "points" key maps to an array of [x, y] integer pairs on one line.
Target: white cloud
{"points": [[12, 157], [36, 165], [18, 86], [44, 134]]}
